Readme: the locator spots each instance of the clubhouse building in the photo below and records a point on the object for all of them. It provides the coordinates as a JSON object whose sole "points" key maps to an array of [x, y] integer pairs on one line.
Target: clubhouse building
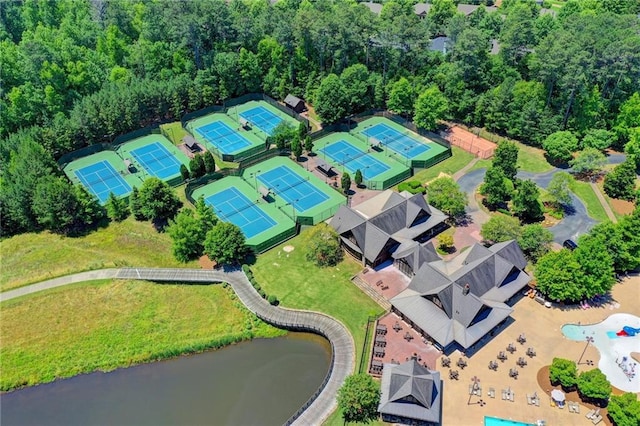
{"points": [[451, 303]]}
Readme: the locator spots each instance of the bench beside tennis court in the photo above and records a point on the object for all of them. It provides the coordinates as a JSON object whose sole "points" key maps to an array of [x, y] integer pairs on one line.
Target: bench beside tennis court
{"points": [[400, 143], [224, 137], [102, 173], [347, 153], [235, 201], [155, 156], [297, 192]]}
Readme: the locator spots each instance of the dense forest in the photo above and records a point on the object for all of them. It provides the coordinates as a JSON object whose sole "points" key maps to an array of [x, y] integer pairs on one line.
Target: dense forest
{"points": [[80, 72]]}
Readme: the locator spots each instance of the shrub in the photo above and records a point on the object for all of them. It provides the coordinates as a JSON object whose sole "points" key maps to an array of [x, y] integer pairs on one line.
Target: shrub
{"points": [[262, 293], [273, 300], [412, 186], [563, 371], [593, 384]]}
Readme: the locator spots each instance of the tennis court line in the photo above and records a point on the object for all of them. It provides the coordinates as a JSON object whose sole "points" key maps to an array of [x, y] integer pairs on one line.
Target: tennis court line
{"points": [[354, 159], [401, 143], [149, 160], [302, 194], [93, 186], [247, 215]]}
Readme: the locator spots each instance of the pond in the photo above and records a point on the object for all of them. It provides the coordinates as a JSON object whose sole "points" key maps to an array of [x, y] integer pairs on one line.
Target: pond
{"points": [[263, 382]]}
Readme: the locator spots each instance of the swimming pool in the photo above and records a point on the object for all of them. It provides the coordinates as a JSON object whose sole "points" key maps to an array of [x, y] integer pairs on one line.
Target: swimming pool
{"points": [[615, 351], [496, 421]]}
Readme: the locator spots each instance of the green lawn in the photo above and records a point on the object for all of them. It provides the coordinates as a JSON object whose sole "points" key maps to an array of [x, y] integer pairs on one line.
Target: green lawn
{"points": [[300, 284], [104, 325], [594, 209], [532, 159], [33, 257], [457, 161]]}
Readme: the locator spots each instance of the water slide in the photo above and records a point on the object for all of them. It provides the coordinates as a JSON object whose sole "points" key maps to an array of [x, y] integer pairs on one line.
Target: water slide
{"points": [[628, 331]]}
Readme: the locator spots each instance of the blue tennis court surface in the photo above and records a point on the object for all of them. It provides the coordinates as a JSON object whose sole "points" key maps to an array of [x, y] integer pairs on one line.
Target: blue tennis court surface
{"points": [[403, 144], [293, 188], [157, 160], [353, 159], [262, 118], [223, 137], [232, 206], [101, 179]]}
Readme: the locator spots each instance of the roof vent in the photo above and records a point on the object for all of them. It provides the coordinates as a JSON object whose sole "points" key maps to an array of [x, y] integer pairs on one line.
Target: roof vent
{"points": [[465, 289]]}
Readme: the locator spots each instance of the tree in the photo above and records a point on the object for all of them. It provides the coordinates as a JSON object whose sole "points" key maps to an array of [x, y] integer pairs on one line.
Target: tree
{"points": [[358, 398], [345, 182], [495, 188], [596, 266], [331, 100], [501, 228], [558, 276], [526, 202], [588, 162], [158, 201], [401, 97], [308, 144], [283, 135], [599, 139], [117, 208], [593, 384], [296, 148], [632, 148], [323, 246], [356, 83], [358, 178], [624, 409], [560, 188], [205, 215], [621, 181], [196, 164], [209, 162], [54, 204], [184, 172], [444, 194], [440, 14], [560, 146], [135, 205], [431, 106], [90, 211], [563, 371], [445, 242], [225, 244], [187, 236], [506, 158], [628, 117], [535, 241]]}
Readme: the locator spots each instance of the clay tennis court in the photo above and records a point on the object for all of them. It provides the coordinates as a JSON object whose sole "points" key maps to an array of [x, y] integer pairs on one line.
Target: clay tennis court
{"points": [[470, 142]]}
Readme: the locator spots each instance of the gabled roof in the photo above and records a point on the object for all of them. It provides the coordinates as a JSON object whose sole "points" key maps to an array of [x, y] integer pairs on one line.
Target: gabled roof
{"points": [[373, 7], [346, 219], [412, 391], [422, 8], [511, 251], [375, 241], [468, 9], [440, 44], [436, 299], [416, 254], [292, 100]]}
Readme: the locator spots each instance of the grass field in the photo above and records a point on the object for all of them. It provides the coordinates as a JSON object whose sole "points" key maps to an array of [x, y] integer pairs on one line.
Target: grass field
{"points": [[594, 209], [103, 325], [29, 258], [300, 284], [458, 160], [532, 159]]}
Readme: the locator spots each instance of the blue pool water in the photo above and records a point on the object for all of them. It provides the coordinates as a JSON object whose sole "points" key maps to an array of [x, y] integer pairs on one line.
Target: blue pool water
{"points": [[496, 421]]}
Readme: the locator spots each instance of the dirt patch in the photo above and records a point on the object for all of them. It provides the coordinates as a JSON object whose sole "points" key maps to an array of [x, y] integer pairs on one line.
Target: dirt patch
{"points": [[288, 249], [206, 263], [545, 383], [621, 206]]}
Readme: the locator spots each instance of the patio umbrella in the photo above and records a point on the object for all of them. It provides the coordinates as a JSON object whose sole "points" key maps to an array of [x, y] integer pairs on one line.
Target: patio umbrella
{"points": [[557, 395]]}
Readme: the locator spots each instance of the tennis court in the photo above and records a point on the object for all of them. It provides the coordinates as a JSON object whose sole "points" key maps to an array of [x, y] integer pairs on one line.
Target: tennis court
{"points": [[101, 179], [224, 138], [262, 118], [157, 160], [293, 188], [393, 139], [232, 206], [354, 159]]}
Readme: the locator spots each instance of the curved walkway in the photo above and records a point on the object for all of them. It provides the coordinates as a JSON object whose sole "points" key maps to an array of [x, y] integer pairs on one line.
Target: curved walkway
{"points": [[319, 407]]}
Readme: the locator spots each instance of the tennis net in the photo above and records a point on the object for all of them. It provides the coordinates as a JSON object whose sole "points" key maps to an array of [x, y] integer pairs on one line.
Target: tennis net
{"points": [[280, 189], [99, 179]]}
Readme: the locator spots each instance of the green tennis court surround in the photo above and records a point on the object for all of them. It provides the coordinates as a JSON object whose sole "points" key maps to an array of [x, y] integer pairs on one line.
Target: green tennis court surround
{"points": [[225, 137], [154, 156], [348, 153], [400, 143], [295, 191], [102, 173], [234, 200], [261, 116]]}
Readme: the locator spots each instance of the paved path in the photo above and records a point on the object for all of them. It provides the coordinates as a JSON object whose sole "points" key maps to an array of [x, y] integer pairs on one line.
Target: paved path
{"points": [[323, 403], [605, 205], [457, 175]]}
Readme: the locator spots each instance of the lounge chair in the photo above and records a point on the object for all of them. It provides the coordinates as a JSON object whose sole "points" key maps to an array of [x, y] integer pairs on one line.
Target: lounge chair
{"points": [[596, 419], [491, 393], [537, 401], [504, 394], [512, 396], [576, 408], [590, 414], [529, 399], [470, 389]]}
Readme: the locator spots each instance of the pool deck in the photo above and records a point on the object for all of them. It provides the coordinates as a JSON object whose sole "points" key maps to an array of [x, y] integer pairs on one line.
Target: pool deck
{"points": [[542, 329]]}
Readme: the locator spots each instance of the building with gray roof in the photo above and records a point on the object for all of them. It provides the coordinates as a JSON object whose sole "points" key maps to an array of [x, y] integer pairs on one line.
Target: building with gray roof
{"points": [[460, 301], [390, 226], [373, 7], [410, 394]]}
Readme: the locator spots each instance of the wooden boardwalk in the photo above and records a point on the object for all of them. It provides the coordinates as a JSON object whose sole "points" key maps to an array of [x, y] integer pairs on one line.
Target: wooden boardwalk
{"points": [[323, 402]]}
